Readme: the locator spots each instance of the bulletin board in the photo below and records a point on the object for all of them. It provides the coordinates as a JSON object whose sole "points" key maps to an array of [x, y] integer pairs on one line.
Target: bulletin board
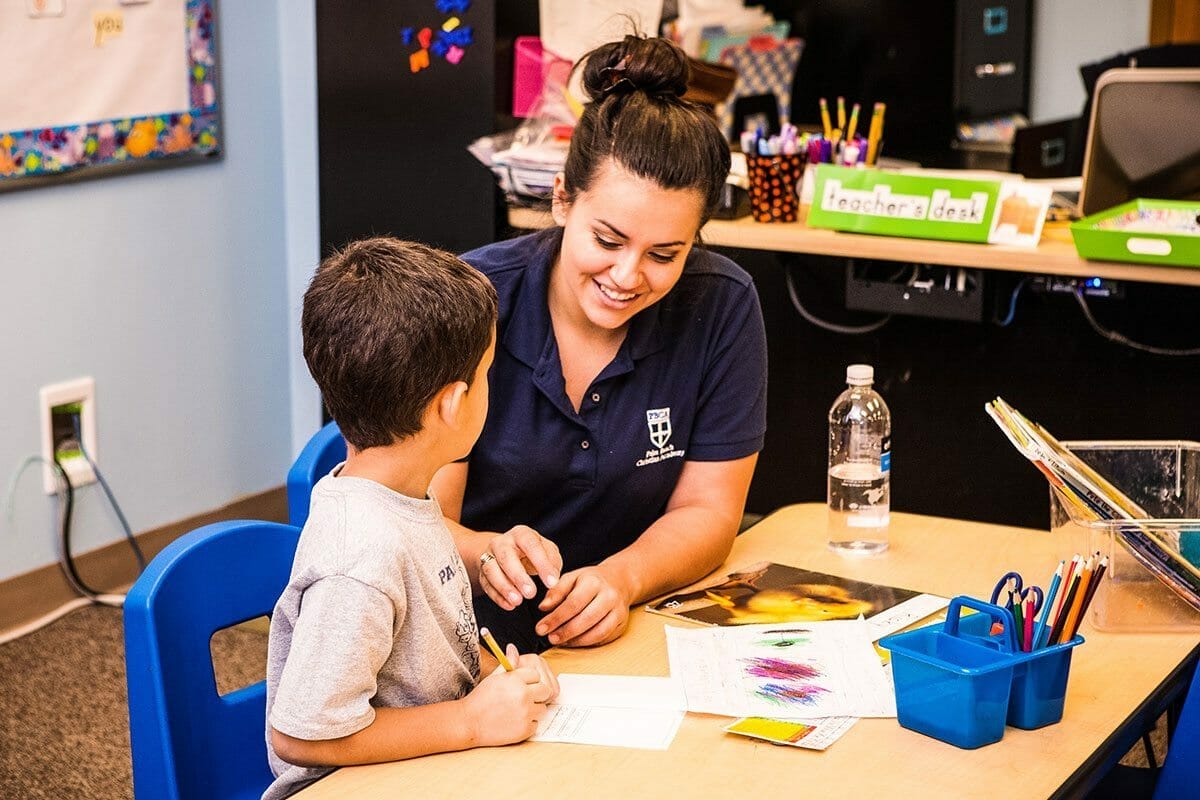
{"points": [[92, 87]]}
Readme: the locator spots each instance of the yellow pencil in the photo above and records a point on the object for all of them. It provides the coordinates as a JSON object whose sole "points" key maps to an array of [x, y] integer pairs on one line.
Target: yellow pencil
{"points": [[841, 113], [853, 123], [486, 635], [825, 123], [875, 133]]}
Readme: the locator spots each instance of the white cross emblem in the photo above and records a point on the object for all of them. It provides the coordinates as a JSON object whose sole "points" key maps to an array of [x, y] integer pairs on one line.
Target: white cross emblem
{"points": [[659, 422]]}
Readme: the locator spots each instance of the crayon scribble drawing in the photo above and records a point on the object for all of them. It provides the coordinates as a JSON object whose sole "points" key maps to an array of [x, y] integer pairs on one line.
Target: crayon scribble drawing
{"points": [[784, 683]]}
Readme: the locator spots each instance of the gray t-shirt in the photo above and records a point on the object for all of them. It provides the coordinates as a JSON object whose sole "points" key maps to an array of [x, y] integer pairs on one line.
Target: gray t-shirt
{"points": [[377, 614]]}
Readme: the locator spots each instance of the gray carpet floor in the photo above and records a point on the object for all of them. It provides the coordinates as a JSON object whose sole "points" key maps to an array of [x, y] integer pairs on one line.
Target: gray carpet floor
{"points": [[64, 729]]}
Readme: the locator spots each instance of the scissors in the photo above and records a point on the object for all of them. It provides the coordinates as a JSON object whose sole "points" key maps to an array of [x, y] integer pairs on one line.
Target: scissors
{"points": [[1012, 583]]}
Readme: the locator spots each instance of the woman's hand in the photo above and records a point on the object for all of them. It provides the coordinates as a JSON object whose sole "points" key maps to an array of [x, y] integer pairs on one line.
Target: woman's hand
{"points": [[508, 561], [587, 607]]}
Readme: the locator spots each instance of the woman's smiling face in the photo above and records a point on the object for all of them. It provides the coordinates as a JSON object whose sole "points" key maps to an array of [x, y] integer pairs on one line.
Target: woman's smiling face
{"points": [[625, 241]]}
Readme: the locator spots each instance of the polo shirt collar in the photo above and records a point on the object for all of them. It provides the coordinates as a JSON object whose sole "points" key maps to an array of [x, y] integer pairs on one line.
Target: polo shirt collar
{"points": [[529, 337]]}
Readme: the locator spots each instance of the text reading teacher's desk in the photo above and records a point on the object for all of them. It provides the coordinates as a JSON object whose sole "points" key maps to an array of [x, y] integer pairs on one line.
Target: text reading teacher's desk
{"points": [[1054, 255], [1119, 683]]}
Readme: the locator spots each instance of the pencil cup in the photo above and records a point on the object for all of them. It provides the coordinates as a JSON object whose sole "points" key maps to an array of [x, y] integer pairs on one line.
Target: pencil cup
{"points": [[774, 186]]}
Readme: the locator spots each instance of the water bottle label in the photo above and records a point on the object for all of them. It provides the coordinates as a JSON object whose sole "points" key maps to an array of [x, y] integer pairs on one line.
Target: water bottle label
{"points": [[885, 454]]}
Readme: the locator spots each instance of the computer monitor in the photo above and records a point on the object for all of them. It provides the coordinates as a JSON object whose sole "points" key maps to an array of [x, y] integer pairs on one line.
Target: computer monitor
{"points": [[1142, 138]]}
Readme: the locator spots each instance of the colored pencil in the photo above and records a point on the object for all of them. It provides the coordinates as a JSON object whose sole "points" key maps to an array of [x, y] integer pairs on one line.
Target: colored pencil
{"points": [[1072, 618], [486, 635], [1039, 638], [1061, 619], [1028, 639], [1067, 576], [1093, 585], [1015, 605]]}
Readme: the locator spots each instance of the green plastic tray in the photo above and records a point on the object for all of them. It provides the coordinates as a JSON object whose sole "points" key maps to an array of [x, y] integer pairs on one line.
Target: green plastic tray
{"points": [[1143, 232]]}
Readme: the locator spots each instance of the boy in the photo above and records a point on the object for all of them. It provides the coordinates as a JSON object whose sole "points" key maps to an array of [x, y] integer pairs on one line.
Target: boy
{"points": [[374, 653]]}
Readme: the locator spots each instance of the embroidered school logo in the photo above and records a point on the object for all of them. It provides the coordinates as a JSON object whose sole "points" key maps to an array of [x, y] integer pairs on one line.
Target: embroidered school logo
{"points": [[659, 422]]}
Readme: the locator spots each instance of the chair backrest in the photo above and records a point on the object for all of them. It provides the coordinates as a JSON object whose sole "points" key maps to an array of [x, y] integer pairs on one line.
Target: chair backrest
{"points": [[324, 451], [189, 742], [1180, 772]]}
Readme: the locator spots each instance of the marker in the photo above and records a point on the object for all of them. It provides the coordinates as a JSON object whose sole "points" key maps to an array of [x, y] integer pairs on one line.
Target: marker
{"points": [[486, 635]]}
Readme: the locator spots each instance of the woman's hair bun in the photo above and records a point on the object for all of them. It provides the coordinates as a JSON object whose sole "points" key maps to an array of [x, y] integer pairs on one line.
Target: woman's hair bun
{"points": [[654, 66]]}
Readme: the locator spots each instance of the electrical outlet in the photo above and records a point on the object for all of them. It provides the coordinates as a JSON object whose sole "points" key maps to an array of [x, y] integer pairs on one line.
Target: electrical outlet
{"points": [[66, 408]]}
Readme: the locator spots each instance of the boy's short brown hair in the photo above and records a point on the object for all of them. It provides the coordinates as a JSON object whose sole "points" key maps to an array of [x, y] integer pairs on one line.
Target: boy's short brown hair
{"points": [[387, 324]]}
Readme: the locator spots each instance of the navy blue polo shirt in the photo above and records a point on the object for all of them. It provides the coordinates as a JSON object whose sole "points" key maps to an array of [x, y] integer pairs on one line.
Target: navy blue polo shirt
{"points": [[688, 383]]}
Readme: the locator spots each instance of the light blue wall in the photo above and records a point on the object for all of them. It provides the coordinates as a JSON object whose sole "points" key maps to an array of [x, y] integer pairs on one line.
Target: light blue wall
{"points": [[171, 288], [179, 290], [1070, 33]]}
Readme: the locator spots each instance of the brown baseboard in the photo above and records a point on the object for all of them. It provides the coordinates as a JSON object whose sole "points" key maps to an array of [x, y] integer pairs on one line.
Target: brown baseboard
{"points": [[113, 568]]}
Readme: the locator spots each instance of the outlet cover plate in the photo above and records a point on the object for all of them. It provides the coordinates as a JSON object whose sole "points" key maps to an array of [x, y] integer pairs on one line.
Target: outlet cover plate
{"points": [[83, 392]]}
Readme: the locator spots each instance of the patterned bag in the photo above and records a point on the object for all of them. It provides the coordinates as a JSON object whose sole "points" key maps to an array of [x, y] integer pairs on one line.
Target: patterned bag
{"points": [[765, 65]]}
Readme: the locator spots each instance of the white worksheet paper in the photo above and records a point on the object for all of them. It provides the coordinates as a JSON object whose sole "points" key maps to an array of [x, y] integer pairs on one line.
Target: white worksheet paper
{"points": [[614, 710], [782, 671]]}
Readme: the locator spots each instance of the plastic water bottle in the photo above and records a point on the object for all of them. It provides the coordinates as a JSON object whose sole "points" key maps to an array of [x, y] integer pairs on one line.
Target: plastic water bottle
{"points": [[860, 444]]}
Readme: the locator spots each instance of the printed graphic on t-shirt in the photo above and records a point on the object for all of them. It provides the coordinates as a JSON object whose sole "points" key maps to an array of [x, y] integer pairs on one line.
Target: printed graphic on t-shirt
{"points": [[658, 420], [468, 636]]}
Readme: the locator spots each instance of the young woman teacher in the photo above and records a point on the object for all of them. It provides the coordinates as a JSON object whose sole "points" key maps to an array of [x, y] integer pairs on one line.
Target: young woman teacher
{"points": [[629, 386]]}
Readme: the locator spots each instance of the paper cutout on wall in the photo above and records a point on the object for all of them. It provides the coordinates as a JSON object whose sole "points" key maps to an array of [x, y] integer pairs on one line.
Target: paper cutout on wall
{"points": [[449, 42]]}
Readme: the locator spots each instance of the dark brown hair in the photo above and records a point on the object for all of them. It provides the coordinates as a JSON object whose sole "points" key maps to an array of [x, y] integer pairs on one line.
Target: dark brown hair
{"points": [[638, 118], [387, 324]]}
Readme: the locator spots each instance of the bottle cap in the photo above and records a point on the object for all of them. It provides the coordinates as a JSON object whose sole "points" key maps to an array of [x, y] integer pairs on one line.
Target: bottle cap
{"points": [[860, 374]]}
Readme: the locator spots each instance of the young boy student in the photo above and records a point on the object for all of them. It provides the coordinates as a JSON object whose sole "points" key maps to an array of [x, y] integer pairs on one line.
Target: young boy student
{"points": [[374, 653]]}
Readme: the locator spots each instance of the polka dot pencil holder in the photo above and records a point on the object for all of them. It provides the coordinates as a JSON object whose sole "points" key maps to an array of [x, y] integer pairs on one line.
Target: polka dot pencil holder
{"points": [[774, 186]]}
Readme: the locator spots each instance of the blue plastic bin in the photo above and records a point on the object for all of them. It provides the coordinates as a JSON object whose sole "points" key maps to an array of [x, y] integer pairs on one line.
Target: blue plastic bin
{"points": [[958, 683]]}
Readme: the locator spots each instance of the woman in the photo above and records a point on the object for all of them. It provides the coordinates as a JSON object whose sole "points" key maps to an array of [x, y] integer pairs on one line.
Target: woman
{"points": [[629, 386]]}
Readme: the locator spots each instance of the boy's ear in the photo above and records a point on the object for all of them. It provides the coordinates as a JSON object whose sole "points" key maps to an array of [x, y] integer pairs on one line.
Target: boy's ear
{"points": [[558, 200], [450, 402]]}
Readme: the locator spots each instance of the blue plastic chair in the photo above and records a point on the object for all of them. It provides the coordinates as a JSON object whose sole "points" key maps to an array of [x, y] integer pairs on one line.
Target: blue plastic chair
{"points": [[189, 743], [324, 451], [1179, 775]]}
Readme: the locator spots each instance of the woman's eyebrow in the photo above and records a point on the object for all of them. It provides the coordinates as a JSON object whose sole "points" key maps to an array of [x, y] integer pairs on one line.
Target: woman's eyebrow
{"points": [[624, 236]]}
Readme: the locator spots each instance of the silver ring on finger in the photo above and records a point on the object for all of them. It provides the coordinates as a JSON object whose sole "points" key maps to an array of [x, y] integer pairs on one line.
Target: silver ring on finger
{"points": [[485, 558]]}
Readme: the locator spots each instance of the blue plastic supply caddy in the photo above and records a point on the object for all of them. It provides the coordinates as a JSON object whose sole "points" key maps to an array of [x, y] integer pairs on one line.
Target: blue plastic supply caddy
{"points": [[959, 683]]}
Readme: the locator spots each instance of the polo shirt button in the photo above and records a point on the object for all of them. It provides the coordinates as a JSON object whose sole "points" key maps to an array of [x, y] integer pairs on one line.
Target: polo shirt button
{"points": [[585, 444], [595, 397]]}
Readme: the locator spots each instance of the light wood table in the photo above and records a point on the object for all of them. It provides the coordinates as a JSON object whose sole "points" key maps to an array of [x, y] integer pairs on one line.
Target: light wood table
{"points": [[1119, 682], [1054, 255]]}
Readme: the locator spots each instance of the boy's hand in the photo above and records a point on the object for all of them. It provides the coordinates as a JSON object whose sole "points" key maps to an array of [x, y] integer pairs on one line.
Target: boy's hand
{"points": [[509, 560], [506, 706], [532, 661]]}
